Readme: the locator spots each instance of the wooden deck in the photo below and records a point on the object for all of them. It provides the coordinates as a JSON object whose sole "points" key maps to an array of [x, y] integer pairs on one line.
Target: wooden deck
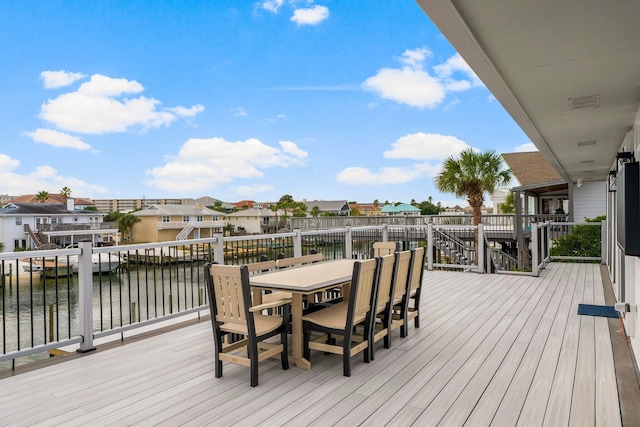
{"points": [[492, 350]]}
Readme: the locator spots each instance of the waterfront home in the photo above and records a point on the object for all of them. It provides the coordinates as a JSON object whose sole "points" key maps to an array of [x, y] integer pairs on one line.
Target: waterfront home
{"points": [[42, 225], [162, 223], [328, 207], [257, 220], [401, 209]]}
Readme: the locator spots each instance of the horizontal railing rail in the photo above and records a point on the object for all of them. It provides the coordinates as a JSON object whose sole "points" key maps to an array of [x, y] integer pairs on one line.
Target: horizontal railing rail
{"points": [[52, 299]]}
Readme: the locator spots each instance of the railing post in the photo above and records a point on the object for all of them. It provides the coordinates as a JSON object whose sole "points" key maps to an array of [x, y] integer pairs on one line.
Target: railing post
{"points": [[297, 243], [348, 243], [535, 250], [480, 249], [603, 242], [430, 246], [218, 248], [85, 296], [385, 233]]}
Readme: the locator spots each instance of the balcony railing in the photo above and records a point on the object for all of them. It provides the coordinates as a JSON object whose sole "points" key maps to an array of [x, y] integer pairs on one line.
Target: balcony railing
{"points": [[53, 299], [178, 225]]}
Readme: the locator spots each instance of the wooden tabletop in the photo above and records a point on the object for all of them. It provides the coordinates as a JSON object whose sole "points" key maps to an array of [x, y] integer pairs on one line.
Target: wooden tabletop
{"points": [[307, 278]]}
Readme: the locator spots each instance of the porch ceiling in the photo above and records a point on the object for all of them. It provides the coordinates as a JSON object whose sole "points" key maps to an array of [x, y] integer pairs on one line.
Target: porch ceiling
{"points": [[536, 55]]}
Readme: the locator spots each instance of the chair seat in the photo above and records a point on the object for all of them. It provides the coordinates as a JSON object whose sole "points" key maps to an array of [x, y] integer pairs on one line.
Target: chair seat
{"points": [[263, 324], [334, 317]]}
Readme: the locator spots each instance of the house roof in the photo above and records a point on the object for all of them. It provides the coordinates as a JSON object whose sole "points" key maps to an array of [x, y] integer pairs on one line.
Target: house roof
{"points": [[328, 205], [402, 207], [531, 168], [13, 208], [53, 198], [175, 210]]}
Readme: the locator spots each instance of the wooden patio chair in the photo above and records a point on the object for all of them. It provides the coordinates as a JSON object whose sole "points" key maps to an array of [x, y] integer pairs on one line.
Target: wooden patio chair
{"points": [[232, 313], [383, 248], [400, 287], [340, 319], [382, 311], [411, 309], [298, 260]]}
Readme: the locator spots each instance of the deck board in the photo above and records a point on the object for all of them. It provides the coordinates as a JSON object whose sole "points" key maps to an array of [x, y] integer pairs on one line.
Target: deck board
{"points": [[491, 350]]}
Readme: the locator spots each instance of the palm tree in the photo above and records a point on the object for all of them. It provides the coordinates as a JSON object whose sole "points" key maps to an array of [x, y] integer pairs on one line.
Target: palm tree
{"points": [[42, 196], [471, 175], [126, 223], [65, 192]]}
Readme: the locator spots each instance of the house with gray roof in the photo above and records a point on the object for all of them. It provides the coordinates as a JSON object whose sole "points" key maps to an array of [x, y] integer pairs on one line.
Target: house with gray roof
{"points": [[48, 225], [163, 223]]}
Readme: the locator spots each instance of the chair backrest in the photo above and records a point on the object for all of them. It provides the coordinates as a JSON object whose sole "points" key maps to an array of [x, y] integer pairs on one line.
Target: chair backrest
{"points": [[258, 267], [383, 248], [385, 280], [229, 293], [299, 260], [417, 268], [363, 283], [401, 274]]}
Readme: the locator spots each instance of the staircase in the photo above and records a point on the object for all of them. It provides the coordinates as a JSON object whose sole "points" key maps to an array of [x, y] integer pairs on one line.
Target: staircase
{"points": [[184, 234], [39, 239], [454, 248]]}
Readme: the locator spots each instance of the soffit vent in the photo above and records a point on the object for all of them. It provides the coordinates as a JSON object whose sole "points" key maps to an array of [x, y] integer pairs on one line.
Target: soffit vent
{"points": [[582, 102], [584, 162], [586, 143]]}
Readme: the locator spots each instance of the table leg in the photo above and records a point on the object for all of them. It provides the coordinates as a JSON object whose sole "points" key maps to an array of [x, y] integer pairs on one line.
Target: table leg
{"points": [[297, 338]]}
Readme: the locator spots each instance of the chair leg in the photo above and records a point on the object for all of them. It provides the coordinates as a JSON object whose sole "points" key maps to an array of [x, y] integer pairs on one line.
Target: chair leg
{"points": [[217, 361], [253, 357], [346, 358], [284, 356]]}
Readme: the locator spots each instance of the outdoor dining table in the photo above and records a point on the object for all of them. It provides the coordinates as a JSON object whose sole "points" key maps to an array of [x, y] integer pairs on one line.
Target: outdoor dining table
{"points": [[300, 281]]}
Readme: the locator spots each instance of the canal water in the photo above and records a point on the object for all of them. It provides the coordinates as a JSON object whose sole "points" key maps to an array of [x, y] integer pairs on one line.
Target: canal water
{"points": [[35, 311]]}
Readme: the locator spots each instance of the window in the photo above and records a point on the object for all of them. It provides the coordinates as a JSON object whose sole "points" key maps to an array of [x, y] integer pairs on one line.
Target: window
{"points": [[199, 218], [185, 218], [166, 218], [18, 222]]}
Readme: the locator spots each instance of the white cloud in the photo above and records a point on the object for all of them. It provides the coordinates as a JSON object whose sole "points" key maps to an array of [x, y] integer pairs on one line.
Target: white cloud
{"points": [[425, 146], [310, 16], [529, 146], [252, 190], [99, 107], [451, 67], [415, 86], [239, 112], [272, 5], [203, 164], [427, 149], [57, 139], [385, 175], [56, 79], [42, 178]]}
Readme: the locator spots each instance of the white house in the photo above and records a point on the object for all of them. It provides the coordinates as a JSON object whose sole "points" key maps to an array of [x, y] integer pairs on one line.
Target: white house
{"points": [[39, 225]]}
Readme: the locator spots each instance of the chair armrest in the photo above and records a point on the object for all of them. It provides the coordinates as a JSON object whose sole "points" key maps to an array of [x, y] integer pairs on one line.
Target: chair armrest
{"points": [[270, 305]]}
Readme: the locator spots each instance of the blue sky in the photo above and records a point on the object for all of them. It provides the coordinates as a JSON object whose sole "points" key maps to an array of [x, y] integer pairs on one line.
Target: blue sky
{"points": [[324, 99]]}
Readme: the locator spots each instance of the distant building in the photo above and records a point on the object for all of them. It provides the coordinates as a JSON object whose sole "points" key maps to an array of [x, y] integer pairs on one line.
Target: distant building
{"points": [[328, 207], [129, 205], [162, 223], [366, 209], [401, 209], [42, 225], [257, 220]]}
